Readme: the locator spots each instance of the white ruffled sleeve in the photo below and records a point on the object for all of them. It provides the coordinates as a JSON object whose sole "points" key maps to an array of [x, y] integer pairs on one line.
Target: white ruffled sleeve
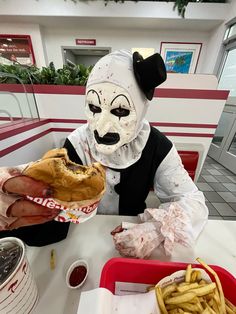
{"points": [[172, 184], [178, 220]]}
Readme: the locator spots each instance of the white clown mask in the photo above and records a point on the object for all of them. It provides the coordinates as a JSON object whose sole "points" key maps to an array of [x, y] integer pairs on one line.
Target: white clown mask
{"points": [[111, 116], [115, 105]]}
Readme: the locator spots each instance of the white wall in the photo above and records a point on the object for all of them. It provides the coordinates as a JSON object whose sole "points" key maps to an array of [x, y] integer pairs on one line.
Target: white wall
{"points": [[147, 9], [29, 152], [58, 30], [18, 105], [232, 12], [213, 49], [27, 29], [214, 52], [55, 38]]}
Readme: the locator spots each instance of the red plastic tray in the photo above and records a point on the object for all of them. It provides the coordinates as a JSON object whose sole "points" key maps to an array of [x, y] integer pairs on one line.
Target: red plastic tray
{"points": [[151, 271]]}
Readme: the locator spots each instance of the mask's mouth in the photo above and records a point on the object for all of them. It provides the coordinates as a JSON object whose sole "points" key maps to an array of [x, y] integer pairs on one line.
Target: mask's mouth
{"points": [[107, 139]]}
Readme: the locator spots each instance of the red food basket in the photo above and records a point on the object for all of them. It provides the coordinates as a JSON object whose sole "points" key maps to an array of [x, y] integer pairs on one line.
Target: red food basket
{"points": [[151, 271]]}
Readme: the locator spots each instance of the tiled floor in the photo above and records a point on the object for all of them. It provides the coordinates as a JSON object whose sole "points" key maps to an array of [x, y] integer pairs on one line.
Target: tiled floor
{"points": [[219, 187]]}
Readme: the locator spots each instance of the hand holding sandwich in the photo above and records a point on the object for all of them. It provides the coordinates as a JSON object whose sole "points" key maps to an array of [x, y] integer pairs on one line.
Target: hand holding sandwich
{"points": [[24, 212], [53, 176]]}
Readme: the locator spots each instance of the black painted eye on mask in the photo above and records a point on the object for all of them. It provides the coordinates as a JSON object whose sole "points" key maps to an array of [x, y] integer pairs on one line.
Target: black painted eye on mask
{"points": [[95, 109], [120, 112]]}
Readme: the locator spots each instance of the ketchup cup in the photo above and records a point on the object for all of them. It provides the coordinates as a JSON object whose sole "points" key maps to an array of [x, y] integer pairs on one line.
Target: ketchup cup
{"points": [[77, 274]]}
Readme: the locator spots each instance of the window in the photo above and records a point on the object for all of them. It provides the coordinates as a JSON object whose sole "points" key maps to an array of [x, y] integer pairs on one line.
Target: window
{"points": [[227, 71]]}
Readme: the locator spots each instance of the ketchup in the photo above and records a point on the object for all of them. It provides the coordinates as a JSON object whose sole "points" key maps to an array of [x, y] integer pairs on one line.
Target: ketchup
{"points": [[77, 276]]}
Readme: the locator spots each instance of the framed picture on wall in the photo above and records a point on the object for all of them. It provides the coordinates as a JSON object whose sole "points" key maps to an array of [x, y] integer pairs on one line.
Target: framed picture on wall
{"points": [[180, 57], [16, 49]]}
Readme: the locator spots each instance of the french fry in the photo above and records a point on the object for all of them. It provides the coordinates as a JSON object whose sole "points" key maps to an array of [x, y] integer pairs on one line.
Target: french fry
{"points": [[217, 297], [187, 287], [204, 290], [210, 309], [186, 297], [221, 293], [230, 305], [160, 300], [189, 307], [194, 295], [202, 282], [199, 305], [188, 273], [184, 284], [215, 306], [193, 277], [229, 310], [199, 275], [166, 291]]}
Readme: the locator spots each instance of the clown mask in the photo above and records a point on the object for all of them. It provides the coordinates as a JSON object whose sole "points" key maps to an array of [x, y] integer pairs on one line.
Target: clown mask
{"points": [[111, 116]]}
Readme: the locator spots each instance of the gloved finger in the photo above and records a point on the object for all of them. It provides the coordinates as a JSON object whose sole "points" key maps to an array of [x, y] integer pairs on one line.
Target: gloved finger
{"points": [[23, 208], [118, 229], [29, 221], [24, 185]]}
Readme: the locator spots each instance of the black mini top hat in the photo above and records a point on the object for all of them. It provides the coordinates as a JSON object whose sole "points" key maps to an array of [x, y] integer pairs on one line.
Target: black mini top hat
{"points": [[149, 72]]}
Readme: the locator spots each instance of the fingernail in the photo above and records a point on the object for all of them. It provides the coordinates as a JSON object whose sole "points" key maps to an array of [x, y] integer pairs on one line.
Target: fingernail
{"points": [[47, 192]]}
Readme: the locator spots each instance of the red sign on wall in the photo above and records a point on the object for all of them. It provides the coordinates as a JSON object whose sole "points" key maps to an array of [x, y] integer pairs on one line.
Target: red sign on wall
{"points": [[16, 49], [88, 42]]}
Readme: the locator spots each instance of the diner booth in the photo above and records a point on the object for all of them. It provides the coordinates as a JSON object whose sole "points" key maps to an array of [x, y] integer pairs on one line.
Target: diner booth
{"points": [[186, 108]]}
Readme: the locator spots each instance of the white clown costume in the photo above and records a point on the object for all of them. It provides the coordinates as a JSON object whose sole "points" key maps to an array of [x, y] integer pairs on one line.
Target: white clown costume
{"points": [[137, 158]]}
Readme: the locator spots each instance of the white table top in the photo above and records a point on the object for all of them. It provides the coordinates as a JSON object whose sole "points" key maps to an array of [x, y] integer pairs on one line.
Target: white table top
{"points": [[92, 241]]}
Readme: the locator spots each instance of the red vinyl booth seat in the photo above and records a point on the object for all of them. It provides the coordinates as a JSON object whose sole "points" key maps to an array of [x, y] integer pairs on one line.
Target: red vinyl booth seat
{"points": [[190, 161]]}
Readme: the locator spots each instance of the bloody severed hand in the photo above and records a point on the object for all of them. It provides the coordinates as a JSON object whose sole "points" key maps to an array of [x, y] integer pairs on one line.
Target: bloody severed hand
{"points": [[25, 212], [139, 241], [168, 225]]}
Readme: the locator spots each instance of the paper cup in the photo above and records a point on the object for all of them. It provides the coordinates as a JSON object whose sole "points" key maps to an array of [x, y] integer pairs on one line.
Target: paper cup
{"points": [[18, 290], [76, 212]]}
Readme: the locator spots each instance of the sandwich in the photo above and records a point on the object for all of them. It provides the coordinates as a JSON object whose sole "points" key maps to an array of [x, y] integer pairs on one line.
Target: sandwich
{"points": [[71, 182]]}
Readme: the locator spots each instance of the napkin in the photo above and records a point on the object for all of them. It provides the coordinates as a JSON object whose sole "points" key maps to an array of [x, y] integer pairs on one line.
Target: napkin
{"points": [[102, 301]]}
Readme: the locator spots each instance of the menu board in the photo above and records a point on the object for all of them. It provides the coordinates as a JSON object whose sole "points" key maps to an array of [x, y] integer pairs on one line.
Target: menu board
{"points": [[16, 49]]}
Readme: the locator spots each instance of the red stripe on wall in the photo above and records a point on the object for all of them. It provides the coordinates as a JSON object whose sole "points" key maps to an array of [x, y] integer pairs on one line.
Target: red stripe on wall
{"points": [[80, 90], [8, 119], [44, 89], [167, 124], [18, 145], [11, 125], [62, 129], [188, 134], [191, 93], [185, 125], [21, 128], [68, 120], [29, 125]]}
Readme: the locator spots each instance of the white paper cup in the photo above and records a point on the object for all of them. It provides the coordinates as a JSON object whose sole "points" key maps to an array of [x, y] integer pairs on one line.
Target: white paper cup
{"points": [[18, 292], [77, 263]]}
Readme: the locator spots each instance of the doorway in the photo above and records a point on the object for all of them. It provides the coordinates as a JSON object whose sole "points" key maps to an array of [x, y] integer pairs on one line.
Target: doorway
{"points": [[83, 55], [223, 146]]}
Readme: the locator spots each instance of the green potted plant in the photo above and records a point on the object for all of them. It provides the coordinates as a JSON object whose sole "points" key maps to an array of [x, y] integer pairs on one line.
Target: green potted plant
{"points": [[67, 75]]}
